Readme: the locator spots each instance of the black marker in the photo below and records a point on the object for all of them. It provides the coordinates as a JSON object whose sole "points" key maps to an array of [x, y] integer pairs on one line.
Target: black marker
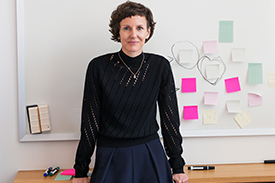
{"points": [[201, 168], [269, 161], [54, 171]]}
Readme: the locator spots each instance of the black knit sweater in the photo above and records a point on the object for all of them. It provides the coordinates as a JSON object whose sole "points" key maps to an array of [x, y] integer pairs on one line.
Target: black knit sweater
{"points": [[120, 110]]}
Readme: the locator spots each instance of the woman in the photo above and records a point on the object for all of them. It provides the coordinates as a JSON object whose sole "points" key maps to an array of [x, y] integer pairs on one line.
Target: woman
{"points": [[119, 109]]}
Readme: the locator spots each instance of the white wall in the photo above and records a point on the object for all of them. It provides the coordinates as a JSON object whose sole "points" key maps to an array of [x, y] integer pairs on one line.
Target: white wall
{"points": [[15, 156]]}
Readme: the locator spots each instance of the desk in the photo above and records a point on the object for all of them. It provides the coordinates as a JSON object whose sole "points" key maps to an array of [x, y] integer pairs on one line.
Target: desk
{"points": [[36, 176], [257, 172]]}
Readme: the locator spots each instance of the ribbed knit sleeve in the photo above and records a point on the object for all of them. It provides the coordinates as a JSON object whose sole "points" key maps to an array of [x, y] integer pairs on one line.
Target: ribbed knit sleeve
{"points": [[170, 120], [89, 122]]}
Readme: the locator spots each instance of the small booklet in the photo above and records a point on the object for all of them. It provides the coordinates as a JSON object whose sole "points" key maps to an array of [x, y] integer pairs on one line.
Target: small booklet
{"points": [[38, 118]]}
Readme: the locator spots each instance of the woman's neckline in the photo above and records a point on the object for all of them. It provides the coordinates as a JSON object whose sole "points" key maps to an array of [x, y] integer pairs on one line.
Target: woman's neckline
{"points": [[127, 56], [131, 61]]}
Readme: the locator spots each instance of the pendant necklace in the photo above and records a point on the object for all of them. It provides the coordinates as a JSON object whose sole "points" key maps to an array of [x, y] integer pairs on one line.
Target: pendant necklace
{"points": [[135, 74]]}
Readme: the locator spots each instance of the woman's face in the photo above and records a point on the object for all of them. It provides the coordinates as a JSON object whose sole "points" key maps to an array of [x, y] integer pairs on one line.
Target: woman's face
{"points": [[133, 32]]}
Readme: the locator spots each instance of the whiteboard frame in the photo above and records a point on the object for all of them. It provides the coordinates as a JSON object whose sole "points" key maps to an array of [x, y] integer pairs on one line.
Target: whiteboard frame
{"points": [[22, 127], [22, 124], [228, 132]]}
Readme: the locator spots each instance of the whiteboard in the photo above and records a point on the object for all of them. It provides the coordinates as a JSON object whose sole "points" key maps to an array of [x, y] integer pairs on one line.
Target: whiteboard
{"points": [[58, 38]]}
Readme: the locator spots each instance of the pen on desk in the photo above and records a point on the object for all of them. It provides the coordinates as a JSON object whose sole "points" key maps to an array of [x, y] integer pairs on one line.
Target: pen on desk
{"points": [[54, 171], [47, 172], [269, 161], [201, 168]]}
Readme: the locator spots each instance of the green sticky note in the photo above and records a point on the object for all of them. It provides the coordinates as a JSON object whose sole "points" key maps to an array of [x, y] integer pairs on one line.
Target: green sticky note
{"points": [[63, 177], [226, 32], [255, 73]]}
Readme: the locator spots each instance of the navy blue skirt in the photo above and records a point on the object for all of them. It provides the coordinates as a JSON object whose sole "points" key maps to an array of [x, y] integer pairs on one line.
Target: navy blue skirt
{"points": [[145, 163]]}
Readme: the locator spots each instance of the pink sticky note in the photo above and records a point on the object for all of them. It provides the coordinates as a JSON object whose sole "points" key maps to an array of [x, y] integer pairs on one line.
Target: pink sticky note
{"points": [[210, 47], [254, 99], [188, 85], [190, 112], [232, 85], [69, 172], [211, 98]]}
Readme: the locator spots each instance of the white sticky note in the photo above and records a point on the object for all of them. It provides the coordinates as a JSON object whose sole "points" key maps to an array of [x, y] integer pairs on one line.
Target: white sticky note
{"points": [[238, 54], [185, 56], [233, 106], [254, 99], [243, 119], [211, 98], [209, 117], [271, 80], [212, 71]]}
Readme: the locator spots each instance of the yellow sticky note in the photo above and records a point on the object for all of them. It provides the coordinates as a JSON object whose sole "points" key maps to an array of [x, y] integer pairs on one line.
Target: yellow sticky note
{"points": [[209, 117], [243, 119], [271, 80]]}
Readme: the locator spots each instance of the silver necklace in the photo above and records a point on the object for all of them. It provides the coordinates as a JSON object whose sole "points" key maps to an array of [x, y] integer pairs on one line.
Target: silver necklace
{"points": [[135, 74]]}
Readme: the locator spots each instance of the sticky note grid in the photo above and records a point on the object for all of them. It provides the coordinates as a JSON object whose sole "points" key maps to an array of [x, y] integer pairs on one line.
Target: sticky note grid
{"points": [[190, 112], [209, 117], [188, 85], [63, 177], [255, 73], [211, 98], [271, 80], [210, 47], [243, 119], [232, 85], [254, 99], [226, 31]]}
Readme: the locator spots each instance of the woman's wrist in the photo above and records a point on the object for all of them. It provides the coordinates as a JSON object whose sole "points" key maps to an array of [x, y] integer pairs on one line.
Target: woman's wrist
{"points": [[178, 170]]}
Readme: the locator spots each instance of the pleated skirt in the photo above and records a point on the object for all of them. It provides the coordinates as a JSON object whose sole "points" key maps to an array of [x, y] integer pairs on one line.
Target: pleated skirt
{"points": [[145, 163]]}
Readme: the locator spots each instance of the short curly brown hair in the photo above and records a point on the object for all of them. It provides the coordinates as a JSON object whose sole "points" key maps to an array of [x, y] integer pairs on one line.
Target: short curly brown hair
{"points": [[129, 9]]}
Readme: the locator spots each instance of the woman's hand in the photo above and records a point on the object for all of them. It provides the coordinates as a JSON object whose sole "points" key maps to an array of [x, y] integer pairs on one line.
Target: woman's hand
{"points": [[180, 178], [81, 180]]}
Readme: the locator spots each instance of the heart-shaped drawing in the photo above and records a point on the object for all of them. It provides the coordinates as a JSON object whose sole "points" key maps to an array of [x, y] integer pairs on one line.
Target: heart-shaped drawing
{"points": [[202, 64]]}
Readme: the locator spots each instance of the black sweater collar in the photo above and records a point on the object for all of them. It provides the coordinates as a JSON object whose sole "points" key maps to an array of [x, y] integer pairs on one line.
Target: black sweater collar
{"points": [[131, 61]]}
